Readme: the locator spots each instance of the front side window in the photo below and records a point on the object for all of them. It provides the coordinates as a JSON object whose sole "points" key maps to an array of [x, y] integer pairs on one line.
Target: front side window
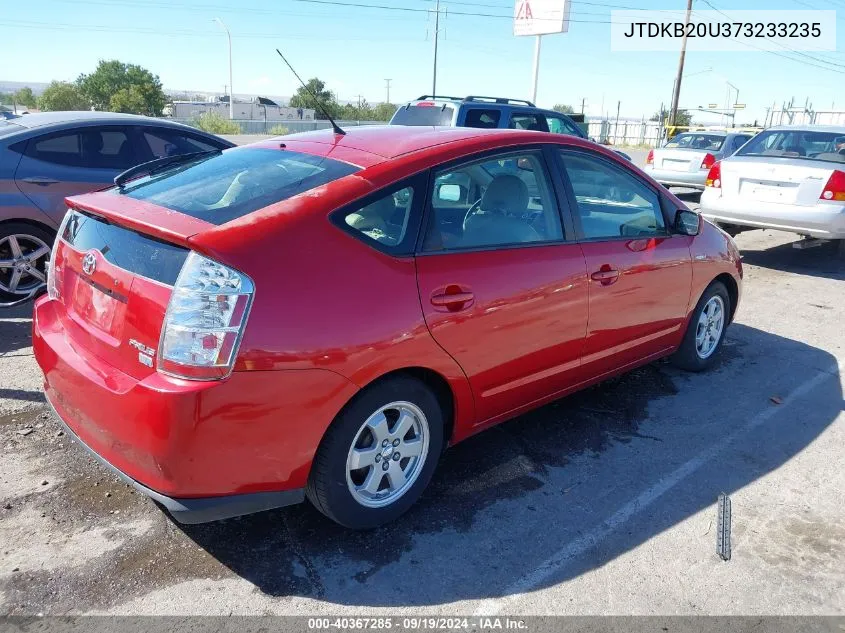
{"points": [[505, 200], [611, 202], [528, 122], [385, 219], [164, 143], [559, 125], [221, 187]]}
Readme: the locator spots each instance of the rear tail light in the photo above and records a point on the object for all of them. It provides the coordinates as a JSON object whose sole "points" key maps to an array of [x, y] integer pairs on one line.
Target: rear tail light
{"points": [[835, 187], [708, 161], [205, 320], [54, 275], [714, 176], [649, 160]]}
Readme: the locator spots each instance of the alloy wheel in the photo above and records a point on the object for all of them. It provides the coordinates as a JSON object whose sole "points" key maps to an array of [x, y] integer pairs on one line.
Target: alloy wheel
{"points": [[23, 263]]}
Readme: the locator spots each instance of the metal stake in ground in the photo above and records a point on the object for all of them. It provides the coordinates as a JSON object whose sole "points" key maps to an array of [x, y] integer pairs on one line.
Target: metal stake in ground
{"points": [[723, 530]]}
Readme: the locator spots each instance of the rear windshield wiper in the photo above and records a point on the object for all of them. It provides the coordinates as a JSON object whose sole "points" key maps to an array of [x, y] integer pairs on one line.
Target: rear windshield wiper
{"points": [[156, 165]]}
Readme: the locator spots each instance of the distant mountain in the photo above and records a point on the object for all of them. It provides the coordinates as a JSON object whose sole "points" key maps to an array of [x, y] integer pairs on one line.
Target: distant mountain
{"points": [[14, 86]]}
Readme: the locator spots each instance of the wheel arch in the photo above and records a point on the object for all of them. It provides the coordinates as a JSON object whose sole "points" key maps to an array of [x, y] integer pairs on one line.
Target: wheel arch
{"points": [[30, 222], [732, 287]]}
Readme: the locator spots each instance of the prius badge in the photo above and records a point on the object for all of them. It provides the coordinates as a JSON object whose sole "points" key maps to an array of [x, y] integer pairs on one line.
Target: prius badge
{"points": [[145, 354]]}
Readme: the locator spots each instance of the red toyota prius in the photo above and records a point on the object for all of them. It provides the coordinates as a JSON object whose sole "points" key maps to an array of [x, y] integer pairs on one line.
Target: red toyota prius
{"points": [[320, 315]]}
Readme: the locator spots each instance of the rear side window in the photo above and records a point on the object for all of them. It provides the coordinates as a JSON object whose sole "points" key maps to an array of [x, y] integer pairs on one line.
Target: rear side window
{"points": [[528, 122], [424, 115], [226, 186], [91, 148], [476, 117], [126, 249], [384, 219], [164, 143]]}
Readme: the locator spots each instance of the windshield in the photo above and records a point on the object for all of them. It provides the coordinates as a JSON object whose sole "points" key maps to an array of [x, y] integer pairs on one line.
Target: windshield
{"points": [[423, 115], [822, 146], [705, 142], [230, 185]]}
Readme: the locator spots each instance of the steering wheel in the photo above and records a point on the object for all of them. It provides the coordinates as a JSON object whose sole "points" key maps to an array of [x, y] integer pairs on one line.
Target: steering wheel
{"points": [[474, 208]]}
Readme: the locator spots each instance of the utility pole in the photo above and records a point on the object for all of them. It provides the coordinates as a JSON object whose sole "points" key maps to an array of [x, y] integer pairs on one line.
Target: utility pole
{"points": [[436, 37], [536, 70], [676, 92], [231, 88], [359, 100], [583, 101], [387, 83]]}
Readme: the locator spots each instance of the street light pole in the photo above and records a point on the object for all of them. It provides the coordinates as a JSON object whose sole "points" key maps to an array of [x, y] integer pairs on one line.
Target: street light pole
{"points": [[676, 90], [231, 90]]}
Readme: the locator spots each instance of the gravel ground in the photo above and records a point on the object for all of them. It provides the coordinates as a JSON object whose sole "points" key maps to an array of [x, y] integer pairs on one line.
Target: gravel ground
{"points": [[603, 502]]}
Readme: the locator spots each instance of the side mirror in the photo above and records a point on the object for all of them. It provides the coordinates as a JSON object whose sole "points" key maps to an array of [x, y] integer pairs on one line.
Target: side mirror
{"points": [[687, 222], [450, 193]]}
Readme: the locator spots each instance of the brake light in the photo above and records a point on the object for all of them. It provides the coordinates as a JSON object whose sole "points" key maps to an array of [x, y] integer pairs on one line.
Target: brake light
{"points": [[54, 280], [835, 187], [714, 176], [708, 161], [649, 160], [426, 104], [205, 320]]}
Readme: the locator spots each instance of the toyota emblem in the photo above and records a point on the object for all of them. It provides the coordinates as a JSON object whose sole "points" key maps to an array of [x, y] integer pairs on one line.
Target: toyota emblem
{"points": [[89, 263]]}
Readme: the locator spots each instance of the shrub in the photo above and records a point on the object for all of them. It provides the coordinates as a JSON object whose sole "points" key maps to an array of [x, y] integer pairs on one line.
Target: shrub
{"points": [[278, 130], [216, 124]]}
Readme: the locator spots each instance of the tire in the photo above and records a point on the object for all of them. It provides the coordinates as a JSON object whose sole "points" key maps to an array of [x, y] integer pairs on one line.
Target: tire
{"points": [[29, 240], [694, 355], [339, 490]]}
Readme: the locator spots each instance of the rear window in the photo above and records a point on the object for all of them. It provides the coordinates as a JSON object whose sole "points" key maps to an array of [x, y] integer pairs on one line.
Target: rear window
{"points": [[126, 249], [227, 186], [706, 142], [810, 145], [424, 115], [8, 128]]}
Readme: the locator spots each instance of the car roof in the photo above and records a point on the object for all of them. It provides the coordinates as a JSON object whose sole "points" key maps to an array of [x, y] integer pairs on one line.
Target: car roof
{"points": [[393, 141], [836, 129], [42, 119]]}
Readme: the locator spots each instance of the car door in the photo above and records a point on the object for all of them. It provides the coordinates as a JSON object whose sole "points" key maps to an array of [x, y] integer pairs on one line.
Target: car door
{"points": [[507, 296], [70, 162], [640, 274]]}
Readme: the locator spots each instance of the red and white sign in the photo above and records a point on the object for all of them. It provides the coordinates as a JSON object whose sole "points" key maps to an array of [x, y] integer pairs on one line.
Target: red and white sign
{"points": [[540, 17]]}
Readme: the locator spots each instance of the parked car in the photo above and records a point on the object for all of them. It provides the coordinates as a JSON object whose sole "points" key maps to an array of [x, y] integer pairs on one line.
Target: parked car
{"points": [[685, 159], [322, 316], [45, 157], [786, 178], [486, 113]]}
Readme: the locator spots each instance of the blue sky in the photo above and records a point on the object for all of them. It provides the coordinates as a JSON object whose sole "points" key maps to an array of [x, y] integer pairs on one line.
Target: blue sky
{"points": [[354, 49]]}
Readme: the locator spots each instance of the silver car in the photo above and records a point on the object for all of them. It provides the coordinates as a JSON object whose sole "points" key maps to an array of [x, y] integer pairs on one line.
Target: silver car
{"points": [[785, 178], [685, 160], [45, 157]]}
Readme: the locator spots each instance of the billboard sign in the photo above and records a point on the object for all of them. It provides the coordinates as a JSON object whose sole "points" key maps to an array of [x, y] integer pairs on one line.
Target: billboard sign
{"points": [[540, 17]]}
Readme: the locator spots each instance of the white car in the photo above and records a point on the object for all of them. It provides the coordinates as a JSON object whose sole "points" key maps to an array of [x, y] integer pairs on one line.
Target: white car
{"points": [[785, 178], [685, 159]]}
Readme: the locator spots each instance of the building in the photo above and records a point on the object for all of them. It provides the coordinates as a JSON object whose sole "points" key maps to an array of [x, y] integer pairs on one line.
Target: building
{"points": [[259, 109]]}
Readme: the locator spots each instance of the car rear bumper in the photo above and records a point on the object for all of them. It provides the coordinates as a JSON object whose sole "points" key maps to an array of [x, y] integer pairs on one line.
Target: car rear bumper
{"points": [[667, 178], [204, 450], [823, 220]]}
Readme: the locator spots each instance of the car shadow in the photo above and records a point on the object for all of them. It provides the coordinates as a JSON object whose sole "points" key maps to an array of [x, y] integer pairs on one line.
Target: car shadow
{"points": [[819, 261], [15, 329], [506, 501]]}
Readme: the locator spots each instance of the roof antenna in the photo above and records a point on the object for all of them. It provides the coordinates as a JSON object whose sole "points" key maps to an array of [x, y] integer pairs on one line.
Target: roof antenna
{"points": [[337, 129]]}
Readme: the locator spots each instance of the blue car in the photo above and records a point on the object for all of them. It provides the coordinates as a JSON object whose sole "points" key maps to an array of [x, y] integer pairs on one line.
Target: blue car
{"points": [[486, 112]]}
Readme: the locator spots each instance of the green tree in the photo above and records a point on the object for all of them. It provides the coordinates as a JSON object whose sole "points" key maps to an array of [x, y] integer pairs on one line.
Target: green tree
{"points": [[61, 95], [130, 100], [25, 97], [144, 93], [6, 98], [325, 96], [215, 123], [383, 112], [563, 108], [684, 118]]}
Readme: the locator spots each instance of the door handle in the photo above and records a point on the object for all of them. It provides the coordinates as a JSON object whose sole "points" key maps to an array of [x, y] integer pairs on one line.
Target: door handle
{"points": [[606, 275], [39, 180], [453, 301]]}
